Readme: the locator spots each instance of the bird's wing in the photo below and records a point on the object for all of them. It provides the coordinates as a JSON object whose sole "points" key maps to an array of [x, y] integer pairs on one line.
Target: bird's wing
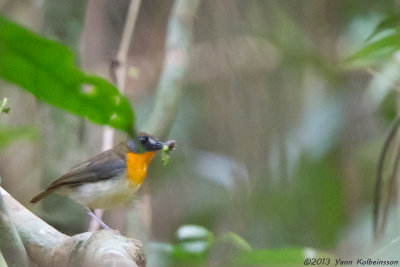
{"points": [[104, 166]]}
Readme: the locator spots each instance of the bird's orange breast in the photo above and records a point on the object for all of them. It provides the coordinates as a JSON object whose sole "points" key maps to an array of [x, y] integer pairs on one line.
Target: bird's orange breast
{"points": [[137, 166]]}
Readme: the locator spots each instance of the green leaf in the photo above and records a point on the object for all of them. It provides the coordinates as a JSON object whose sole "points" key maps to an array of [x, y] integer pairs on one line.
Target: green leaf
{"points": [[193, 243], [178, 253], [388, 107], [3, 106], [389, 23], [236, 240], [10, 134], [46, 69], [376, 51], [281, 257], [194, 232]]}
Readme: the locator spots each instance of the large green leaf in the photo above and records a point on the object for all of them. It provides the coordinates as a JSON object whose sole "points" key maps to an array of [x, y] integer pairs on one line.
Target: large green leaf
{"points": [[46, 69]]}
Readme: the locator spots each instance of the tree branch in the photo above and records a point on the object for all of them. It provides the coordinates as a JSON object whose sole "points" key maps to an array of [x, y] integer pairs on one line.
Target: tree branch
{"points": [[122, 55], [10, 243], [46, 246]]}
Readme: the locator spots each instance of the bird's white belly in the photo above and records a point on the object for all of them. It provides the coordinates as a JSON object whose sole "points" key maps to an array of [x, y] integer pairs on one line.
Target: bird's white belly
{"points": [[103, 194]]}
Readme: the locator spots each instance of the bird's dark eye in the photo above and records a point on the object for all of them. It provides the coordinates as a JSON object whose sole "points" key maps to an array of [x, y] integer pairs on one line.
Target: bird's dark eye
{"points": [[143, 140]]}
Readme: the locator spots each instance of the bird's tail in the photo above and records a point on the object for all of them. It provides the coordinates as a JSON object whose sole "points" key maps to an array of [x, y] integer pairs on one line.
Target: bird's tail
{"points": [[39, 196]]}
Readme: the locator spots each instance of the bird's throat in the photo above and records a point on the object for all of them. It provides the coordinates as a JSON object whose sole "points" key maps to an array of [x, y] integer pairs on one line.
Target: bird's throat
{"points": [[137, 166]]}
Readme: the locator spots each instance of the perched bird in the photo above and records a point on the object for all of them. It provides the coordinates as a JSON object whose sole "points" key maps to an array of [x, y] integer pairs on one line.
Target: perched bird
{"points": [[110, 178]]}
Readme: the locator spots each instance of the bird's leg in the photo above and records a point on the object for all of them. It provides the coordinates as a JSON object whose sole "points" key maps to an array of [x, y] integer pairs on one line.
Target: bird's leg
{"points": [[94, 216]]}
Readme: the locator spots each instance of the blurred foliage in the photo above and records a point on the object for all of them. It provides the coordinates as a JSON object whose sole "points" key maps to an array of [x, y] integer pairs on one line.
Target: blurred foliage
{"points": [[391, 22], [317, 188], [380, 45], [282, 150], [291, 257], [383, 46], [376, 51], [288, 37], [46, 69], [388, 106], [10, 134], [3, 107], [63, 20], [194, 245]]}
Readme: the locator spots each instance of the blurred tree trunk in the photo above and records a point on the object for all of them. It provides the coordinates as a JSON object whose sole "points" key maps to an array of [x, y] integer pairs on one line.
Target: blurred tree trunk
{"points": [[13, 163], [61, 148]]}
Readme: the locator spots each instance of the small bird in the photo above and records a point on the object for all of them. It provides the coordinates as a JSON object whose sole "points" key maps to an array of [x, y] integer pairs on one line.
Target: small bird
{"points": [[110, 178]]}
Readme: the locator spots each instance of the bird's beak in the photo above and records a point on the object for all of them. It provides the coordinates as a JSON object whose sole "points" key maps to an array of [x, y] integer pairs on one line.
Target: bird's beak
{"points": [[157, 146], [160, 145]]}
